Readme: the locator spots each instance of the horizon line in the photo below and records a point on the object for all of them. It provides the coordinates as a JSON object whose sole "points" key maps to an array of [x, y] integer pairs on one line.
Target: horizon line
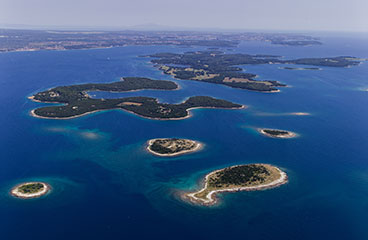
{"points": [[157, 27]]}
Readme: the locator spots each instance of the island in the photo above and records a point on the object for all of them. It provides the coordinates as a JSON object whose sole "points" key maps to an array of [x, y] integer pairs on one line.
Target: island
{"points": [[76, 102], [249, 177], [300, 114], [300, 69], [276, 133], [169, 147], [223, 68], [215, 67], [30, 190]]}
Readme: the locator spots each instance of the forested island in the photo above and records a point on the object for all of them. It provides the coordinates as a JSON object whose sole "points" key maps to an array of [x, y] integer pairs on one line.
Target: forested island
{"points": [[222, 68], [214, 67], [249, 177], [76, 101], [168, 147], [276, 133], [30, 190]]}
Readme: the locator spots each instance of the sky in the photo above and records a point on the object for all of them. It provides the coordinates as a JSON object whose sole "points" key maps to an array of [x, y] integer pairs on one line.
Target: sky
{"points": [[303, 15]]}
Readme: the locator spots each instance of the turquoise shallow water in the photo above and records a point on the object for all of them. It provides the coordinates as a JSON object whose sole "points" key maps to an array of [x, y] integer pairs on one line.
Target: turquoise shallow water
{"points": [[105, 185]]}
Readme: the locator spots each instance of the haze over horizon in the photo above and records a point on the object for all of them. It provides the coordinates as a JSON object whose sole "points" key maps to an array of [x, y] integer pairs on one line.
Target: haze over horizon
{"points": [[285, 15]]}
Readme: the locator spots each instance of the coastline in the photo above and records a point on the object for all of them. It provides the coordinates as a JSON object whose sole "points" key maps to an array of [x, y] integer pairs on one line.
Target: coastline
{"points": [[272, 91], [302, 69], [33, 114], [270, 114], [199, 146], [15, 193], [212, 199]]}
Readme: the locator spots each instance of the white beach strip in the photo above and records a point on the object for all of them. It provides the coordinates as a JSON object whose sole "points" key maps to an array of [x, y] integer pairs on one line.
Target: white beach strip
{"points": [[16, 193]]}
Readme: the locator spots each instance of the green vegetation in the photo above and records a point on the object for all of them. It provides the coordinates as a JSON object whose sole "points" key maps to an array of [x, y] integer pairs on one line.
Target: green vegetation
{"points": [[31, 188], [239, 175], [68, 94], [342, 61], [214, 67], [275, 132], [77, 102], [218, 67]]}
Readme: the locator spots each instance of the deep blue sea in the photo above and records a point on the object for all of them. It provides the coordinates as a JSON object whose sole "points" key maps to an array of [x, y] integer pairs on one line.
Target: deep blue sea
{"points": [[106, 186]]}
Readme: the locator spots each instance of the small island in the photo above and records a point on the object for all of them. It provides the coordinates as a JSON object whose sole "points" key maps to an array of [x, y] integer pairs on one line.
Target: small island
{"points": [[249, 177], [169, 147], [300, 114], [276, 133], [30, 190], [300, 69], [76, 102]]}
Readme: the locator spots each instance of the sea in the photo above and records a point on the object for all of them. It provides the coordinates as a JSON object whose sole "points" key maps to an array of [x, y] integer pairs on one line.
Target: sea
{"points": [[105, 185]]}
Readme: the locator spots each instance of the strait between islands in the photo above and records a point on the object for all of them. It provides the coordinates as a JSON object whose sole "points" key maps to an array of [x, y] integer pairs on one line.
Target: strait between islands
{"points": [[76, 102], [249, 177]]}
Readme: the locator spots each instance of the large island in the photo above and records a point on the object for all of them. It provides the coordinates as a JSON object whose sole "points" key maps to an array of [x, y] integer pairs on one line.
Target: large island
{"points": [[168, 147], [223, 68], [76, 101], [249, 177]]}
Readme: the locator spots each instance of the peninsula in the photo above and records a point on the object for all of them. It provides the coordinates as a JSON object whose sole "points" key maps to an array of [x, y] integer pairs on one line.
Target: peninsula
{"points": [[223, 68], [30, 190], [249, 177], [76, 101], [169, 147], [276, 133]]}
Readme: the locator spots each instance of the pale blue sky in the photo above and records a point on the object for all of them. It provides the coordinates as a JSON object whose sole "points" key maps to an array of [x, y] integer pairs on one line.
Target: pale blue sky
{"points": [[333, 15]]}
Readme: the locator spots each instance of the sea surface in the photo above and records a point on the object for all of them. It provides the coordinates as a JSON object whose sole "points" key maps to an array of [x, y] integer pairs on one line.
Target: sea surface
{"points": [[106, 186]]}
